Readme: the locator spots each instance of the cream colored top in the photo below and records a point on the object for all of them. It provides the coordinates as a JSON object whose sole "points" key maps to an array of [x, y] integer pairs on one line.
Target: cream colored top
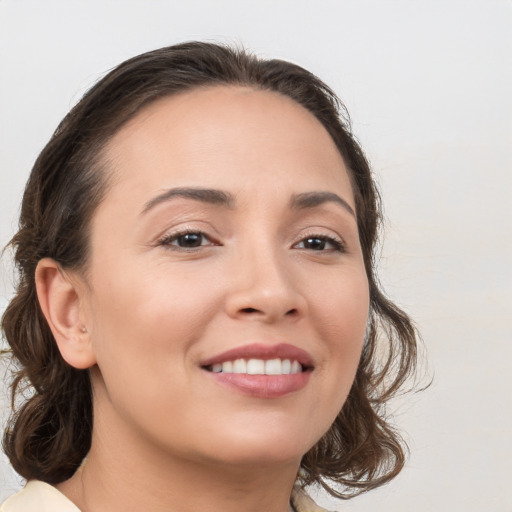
{"points": [[42, 497], [38, 497]]}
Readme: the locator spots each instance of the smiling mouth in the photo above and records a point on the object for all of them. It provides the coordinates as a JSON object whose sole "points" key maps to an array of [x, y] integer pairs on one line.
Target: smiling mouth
{"points": [[260, 370], [259, 367]]}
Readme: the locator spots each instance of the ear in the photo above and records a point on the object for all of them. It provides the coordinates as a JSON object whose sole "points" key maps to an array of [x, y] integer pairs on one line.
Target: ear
{"points": [[61, 302]]}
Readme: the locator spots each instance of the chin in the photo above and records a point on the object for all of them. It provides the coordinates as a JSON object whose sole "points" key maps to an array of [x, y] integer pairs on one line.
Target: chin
{"points": [[269, 457], [266, 450]]}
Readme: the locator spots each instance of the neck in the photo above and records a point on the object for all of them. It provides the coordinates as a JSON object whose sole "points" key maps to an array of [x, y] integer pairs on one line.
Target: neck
{"points": [[123, 473]]}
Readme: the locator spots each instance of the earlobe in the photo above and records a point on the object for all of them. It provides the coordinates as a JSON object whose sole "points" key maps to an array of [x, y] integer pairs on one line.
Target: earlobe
{"points": [[60, 301]]}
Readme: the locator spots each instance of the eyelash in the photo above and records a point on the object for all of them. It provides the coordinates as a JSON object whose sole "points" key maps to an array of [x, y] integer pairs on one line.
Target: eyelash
{"points": [[167, 241]]}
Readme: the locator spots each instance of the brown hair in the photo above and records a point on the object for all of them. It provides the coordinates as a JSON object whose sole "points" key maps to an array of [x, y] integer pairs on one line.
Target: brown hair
{"points": [[49, 434]]}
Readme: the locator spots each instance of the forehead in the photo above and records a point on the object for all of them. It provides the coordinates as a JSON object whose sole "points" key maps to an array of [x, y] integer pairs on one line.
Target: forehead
{"points": [[225, 136]]}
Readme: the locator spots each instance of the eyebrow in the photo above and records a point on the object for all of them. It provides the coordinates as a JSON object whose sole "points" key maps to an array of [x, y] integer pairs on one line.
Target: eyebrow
{"points": [[204, 195], [313, 199], [219, 197]]}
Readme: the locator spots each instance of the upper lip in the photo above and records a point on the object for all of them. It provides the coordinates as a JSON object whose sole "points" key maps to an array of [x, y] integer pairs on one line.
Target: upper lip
{"points": [[265, 352]]}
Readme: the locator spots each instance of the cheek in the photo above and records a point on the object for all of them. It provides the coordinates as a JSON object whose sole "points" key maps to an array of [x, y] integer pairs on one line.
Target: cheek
{"points": [[144, 327], [342, 314], [342, 306], [142, 319]]}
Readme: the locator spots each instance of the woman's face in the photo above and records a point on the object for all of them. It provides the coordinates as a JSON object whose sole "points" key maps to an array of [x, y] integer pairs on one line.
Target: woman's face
{"points": [[226, 297]]}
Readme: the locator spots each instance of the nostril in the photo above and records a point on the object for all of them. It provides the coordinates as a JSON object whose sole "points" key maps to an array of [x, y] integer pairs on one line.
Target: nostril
{"points": [[291, 312], [249, 310]]}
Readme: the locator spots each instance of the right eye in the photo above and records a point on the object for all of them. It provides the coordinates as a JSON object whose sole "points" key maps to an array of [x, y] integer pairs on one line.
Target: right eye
{"points": [[186, 240]]}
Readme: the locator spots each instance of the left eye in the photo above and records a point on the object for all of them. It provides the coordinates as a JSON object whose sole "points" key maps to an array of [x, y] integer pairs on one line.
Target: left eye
{"points": [[320, 243], [189, 240]]}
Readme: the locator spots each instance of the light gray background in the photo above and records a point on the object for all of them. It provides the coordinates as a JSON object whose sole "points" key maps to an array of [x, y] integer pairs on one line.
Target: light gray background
{"points": [[428, 85]]}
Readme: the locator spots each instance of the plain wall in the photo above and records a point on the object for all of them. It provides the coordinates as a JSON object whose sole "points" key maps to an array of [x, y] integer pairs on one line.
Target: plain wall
{"points": [[428, 85]]}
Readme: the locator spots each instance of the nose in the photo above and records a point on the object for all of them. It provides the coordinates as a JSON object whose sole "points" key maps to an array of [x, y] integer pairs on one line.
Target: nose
{"points": [[265, 289]]}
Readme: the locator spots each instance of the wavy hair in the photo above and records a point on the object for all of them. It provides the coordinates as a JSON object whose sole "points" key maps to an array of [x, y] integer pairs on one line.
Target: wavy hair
{"points": [[49, 432]]}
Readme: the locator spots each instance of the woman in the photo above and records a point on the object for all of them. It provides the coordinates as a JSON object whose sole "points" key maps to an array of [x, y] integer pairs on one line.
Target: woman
{"points": [[198, 312]]}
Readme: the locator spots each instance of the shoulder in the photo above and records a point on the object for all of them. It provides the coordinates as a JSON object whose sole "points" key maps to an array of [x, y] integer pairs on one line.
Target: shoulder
{"points": [[38, 497], [303, 503]]}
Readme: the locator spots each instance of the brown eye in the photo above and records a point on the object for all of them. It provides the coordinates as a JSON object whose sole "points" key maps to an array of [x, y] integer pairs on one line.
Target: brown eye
{"points": [[187, 240], [190, 240], [321, 243], [316, 244]]}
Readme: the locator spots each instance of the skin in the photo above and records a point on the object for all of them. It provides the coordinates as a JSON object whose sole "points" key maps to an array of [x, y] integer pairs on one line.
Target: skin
{"points": [[147, 313]]}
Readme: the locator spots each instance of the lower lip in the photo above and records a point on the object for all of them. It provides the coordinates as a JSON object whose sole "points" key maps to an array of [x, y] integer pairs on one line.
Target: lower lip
{"points": [[263, 386]]}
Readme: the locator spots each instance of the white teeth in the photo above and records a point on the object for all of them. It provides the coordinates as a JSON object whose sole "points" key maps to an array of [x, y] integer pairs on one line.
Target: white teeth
{"points": [[258, 367], [273, 367], [239, 366]]}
